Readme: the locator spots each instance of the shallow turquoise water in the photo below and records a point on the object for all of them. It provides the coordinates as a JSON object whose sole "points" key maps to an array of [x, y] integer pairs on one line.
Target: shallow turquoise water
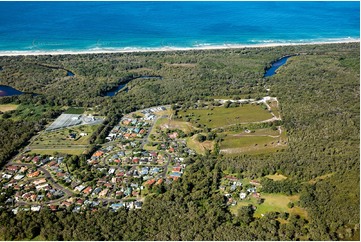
{"points": [[39, 26]]}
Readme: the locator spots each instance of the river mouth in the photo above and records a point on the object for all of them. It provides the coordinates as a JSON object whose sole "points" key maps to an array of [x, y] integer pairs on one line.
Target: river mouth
{"points": [[275, 65]]}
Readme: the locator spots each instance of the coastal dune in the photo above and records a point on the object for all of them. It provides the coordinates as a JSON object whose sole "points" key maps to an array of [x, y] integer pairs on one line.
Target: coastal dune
{"points": [[130, 50]]}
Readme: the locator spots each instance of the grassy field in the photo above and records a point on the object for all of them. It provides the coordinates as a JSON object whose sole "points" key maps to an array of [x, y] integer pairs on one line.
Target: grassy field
{"points": [[29, 112], [255, 132], [74, 111], [250, 142], [277, 177], [8, 107], [70, 151], [274, 108], [221, 116], [320, 178], [59, 141], [272, 203], [264, 140], [199, 147], [167, 112], [61, 137], [165, 123]]}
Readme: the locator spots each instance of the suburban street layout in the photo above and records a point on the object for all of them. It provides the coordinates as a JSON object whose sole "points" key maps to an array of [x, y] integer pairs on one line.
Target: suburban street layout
{"points": [[147, 150]]}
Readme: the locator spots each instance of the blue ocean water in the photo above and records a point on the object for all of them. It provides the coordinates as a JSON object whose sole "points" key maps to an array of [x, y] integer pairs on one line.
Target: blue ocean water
{"points": [[39, 26]]}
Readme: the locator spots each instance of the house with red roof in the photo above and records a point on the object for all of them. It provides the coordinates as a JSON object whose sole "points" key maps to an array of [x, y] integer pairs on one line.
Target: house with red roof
{"points": [[87, 190]]}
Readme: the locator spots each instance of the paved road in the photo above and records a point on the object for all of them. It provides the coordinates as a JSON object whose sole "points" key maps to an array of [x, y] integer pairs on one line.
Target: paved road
{"points": [[145, 138], [166, 166], [48, 176]]}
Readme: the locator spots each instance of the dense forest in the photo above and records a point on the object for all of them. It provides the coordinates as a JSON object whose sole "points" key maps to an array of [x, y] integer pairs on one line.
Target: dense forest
{"points": [[318, 91]]}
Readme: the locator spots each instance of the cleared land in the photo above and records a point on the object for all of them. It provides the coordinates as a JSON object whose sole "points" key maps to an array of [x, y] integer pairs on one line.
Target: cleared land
{"points": [[248, 144], [277, 177], [70, 151], [221, 116], [264, 140], [60, 140], [8, 107], [74, 111], [61, 137], [274, 108], [199, 147], [272, 203]]}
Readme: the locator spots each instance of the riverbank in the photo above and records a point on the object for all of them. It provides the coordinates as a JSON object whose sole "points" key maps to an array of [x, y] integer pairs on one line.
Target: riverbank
{"points": [[162, 49]]}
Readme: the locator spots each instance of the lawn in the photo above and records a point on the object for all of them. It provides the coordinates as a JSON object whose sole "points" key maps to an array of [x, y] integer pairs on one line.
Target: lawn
{"points": [[272, 203], [74, 111], [8, 107], [221, 116]]}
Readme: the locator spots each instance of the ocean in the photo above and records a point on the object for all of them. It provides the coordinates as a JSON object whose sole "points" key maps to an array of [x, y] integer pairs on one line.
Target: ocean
{"points": [[87, 26]]}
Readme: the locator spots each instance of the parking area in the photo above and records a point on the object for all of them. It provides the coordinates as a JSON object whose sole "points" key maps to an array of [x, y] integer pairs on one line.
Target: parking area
{"points": [[67, 120]]}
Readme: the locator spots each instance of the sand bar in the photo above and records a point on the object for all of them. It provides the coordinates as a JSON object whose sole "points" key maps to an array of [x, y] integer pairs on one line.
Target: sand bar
{"points": [[129, 49]]}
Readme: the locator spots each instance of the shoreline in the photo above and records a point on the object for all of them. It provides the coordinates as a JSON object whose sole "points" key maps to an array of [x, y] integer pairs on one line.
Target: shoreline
{"points": [[165, 49]]}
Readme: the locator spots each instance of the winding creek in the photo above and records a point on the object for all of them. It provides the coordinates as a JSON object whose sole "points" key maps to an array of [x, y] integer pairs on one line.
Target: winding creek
{"points": [[9, 91], [122, 86], [275, 65]]}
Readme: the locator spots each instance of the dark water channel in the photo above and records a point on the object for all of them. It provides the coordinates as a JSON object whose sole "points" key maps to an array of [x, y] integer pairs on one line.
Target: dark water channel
{"points": [[277, 64], [8, 91], [122, 86]]}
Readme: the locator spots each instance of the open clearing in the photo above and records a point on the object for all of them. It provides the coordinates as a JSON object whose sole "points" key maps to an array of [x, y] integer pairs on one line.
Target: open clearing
{"points": [[8, 107], [264, 140], [277, 177], [249, 144], [221, 116], [272, 203], [69, 151], [199, 147], [165, 123], [61, 137], [60, 141]]}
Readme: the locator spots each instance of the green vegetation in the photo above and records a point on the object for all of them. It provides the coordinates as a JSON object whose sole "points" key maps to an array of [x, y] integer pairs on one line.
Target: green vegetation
{"points": [[60, 141], [249, 144], [52, 151], [221, 116], [277, 177], [318, 92], [8, 107], [272, 203], [200, 147], [74, 111]]}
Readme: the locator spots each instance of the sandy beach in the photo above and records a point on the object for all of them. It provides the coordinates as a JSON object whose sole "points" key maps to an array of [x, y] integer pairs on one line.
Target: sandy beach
{"points": [[130, 50]]}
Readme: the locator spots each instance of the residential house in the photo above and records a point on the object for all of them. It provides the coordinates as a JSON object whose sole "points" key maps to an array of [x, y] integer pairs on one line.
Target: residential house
{"points": [[13, 168], [39, 181], [87, 190], [19, 177], [103, 193], [35, 208]]}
